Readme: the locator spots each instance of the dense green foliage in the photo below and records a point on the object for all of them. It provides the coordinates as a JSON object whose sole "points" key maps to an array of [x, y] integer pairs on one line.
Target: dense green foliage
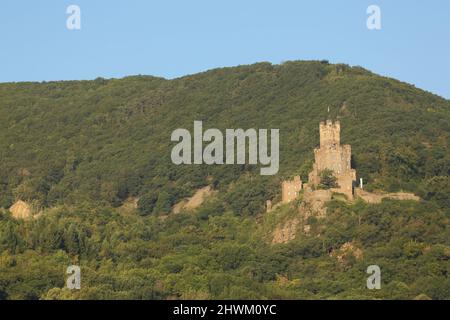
{"points": [[328, 179], [222, 256], [78, 150]]}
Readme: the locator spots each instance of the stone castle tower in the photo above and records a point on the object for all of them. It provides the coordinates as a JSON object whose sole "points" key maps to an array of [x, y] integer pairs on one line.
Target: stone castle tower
{"points": [[333, 156]]}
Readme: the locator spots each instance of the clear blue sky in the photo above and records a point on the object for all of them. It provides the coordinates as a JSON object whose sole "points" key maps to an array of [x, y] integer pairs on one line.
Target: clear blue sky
{"points": [[172, 38]]}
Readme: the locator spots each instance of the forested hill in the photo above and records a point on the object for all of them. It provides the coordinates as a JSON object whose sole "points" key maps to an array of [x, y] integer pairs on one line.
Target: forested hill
{"points": [[82, 153], [107, 140]]}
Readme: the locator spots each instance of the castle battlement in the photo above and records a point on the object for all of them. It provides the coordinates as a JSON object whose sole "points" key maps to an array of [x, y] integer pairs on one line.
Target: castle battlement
{"points": [[330, 133]]}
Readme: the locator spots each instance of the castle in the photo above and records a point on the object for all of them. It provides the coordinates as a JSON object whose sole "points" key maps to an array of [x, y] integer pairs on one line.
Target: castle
{"points": [[333, 156], [330, 155]]}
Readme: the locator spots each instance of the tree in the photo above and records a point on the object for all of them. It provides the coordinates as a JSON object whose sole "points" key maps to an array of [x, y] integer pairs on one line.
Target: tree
{"points": [[164, 203], [146, 203], [327, 179], [437, 189]]}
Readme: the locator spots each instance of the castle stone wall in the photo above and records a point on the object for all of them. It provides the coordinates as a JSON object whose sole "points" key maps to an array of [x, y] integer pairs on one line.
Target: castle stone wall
{"points": [[291, 189]]}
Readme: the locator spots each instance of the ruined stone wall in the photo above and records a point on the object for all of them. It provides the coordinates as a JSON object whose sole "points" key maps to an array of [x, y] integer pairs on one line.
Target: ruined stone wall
{"points": [[291, 189], [371, 197]]}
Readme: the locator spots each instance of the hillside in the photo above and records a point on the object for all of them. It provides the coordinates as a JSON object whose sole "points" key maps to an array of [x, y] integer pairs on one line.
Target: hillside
{"points": [[77, 151]]}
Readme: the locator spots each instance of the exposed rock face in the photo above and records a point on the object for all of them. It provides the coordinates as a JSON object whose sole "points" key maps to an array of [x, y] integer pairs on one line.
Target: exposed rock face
{"points": [[130, 204], [345, 251], [198, 198], [195, 201], [285, 232], [313, 204], [21, 210], [177, 208]]}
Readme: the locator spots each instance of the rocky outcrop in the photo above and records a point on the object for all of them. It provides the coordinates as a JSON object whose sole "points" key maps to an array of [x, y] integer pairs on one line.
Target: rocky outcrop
{"points": [[286, 232], [21, 210], [347, 250], [129, 205], [313, 204], [195, 201]]}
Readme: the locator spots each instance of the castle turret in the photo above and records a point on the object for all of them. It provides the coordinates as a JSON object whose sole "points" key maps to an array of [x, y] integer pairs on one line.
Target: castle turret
{"points": [[330, 133]]}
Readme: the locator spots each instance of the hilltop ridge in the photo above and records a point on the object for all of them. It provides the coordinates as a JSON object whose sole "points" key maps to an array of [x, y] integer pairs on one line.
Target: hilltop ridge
{"points": [[107, 140], [93, 159]]}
